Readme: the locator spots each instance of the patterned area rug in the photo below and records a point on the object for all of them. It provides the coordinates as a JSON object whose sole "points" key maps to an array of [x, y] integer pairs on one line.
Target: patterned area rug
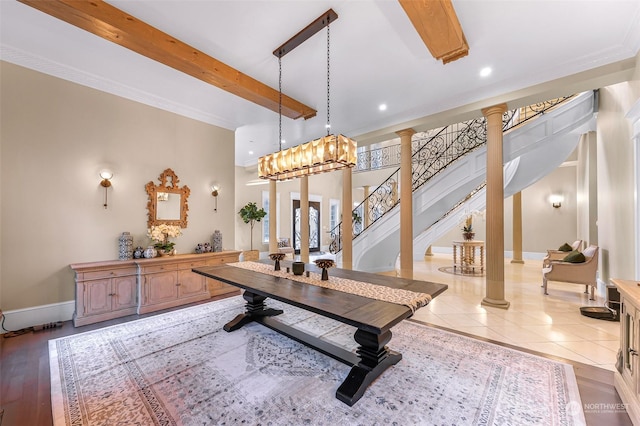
{"points": [[181, 368]]}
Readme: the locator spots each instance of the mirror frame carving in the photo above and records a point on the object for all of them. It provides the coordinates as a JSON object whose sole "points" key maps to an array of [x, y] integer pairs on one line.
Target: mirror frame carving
{"points": [[152, 192]]}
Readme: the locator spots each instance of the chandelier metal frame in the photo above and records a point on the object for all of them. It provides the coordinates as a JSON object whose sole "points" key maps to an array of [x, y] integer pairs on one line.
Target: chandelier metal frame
{"points": [[328, 153]]}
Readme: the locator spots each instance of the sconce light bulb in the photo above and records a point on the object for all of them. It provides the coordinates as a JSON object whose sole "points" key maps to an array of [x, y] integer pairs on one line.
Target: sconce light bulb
{"points": [[556, 201], [106, 176]]}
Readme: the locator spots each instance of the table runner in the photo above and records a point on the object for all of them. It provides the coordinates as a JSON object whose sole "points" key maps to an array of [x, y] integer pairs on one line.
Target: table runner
{"points": [[413, 300]]}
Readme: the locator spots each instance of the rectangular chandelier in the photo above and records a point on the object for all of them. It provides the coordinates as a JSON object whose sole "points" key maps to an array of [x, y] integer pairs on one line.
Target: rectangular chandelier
{"points": [[326, 154]]}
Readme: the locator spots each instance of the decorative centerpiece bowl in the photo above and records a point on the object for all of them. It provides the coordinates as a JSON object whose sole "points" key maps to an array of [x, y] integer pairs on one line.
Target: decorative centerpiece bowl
{"points": [[277, 257], [324, 264], [297, 268]]}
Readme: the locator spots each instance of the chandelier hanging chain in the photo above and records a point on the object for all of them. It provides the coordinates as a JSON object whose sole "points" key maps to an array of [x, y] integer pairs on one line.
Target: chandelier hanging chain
{"points": [[328, 80], [328, 153], [280, 103]]}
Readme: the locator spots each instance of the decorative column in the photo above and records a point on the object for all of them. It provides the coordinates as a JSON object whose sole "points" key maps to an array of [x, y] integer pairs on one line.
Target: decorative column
{"points": [[365, 207], [347, 220], [406, 205], [517, 228], [495, 209], [273, 238], [304, 219]]}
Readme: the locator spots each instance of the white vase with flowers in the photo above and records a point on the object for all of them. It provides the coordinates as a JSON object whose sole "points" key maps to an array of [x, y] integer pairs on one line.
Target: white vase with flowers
{"points": [[160, 234]]}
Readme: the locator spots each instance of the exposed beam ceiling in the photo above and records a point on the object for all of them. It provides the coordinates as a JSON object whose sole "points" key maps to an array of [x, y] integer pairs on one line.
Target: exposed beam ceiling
{"points": [[111, 23], [437, 23]]}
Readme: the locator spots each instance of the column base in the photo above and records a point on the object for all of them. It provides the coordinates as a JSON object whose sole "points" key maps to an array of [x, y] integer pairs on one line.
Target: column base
{"points": [[521, 262], [493, 303]]}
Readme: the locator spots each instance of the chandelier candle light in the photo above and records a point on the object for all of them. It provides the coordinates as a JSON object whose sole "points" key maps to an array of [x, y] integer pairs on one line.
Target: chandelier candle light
{"points": [[321, 155]]}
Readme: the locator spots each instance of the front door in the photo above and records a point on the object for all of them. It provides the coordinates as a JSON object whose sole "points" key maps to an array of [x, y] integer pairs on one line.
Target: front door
{"points": [[314, 226]]}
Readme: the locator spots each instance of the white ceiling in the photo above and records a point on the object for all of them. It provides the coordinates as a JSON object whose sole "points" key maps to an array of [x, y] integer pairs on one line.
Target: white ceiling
{"points": [[376, 57]]}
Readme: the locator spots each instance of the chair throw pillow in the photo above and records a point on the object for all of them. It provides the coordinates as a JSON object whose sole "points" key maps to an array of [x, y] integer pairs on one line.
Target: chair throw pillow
{"points": [[565, 247], [282, 242], [574, 257]]}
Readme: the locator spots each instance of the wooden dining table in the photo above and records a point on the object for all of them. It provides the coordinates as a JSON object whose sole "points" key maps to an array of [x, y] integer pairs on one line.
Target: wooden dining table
{"points": [[372, 318]]}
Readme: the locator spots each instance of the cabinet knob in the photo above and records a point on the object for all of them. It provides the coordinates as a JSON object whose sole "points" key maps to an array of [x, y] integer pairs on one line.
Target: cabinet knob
{"points": [[112, 294], [633, 352], [178, 284]]}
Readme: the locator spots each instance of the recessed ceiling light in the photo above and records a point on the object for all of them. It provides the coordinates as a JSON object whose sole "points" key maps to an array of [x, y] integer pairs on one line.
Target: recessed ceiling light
{"points": [[283, 141], [250, 152], [485, 72], [382, 107]]}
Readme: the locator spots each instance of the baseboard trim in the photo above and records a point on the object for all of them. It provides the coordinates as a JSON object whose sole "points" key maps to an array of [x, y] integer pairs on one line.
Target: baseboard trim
{"points": [[36, 315]]}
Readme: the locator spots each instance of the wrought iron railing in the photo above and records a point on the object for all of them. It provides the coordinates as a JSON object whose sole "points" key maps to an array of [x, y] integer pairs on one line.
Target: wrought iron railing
{"points": [[434, 153], [388, 156]]}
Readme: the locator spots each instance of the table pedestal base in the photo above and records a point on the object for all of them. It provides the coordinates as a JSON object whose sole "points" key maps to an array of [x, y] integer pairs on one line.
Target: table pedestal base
{"points": [[255, 309], [372, 357]]}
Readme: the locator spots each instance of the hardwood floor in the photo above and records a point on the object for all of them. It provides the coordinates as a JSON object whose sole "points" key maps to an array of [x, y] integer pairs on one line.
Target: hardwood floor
{"points": [[25, 379]]}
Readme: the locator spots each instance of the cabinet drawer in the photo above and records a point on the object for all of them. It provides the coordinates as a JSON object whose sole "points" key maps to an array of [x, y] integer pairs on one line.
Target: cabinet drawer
{"points": [[160, 268], [219, 261], [192, 264], [97, 275]]}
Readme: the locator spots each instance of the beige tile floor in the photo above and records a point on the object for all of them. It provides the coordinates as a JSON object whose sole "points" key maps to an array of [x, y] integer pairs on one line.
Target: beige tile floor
{"points": [[550, 324]]}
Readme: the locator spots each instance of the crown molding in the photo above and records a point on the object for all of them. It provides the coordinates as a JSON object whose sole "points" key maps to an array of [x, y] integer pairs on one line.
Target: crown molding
{"points": [[74, 75]]}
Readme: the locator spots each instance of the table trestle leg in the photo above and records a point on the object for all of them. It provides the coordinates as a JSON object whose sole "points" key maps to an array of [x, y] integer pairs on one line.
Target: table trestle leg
{"points": [[375, 358], [255, 308]]}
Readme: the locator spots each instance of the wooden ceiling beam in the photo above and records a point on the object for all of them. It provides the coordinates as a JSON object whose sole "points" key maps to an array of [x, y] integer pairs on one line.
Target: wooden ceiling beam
{"points": [[437, 24], [113, 24]]}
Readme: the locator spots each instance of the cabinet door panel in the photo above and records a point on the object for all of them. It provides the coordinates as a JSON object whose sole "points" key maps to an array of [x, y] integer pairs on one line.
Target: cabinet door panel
{"points": [[97, 297], [190, 283], [161, 287], [125, 289]]}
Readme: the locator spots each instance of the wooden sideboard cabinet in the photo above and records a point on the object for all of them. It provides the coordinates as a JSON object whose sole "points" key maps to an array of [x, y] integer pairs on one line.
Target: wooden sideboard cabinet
{"points": [[112, 289], [627, 382], [105, 290]]}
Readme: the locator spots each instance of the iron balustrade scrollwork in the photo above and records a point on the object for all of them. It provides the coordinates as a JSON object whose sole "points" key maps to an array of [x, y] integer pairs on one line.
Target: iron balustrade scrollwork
{"points": [[433, 152], [378, 158]]}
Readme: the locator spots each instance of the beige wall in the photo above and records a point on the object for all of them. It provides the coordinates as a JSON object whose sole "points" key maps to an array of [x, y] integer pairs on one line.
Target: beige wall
{"points": [[543, 227], [615, 181], [55, 138], [325, 185]]}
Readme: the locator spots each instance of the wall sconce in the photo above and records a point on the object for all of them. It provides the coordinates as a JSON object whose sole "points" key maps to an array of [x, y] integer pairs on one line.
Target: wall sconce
{"points": [[106, 176], [214, 193], [556, 201]]}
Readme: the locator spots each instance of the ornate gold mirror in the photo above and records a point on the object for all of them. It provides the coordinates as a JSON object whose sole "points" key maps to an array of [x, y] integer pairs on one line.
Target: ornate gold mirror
{"points": [[167, 202]]}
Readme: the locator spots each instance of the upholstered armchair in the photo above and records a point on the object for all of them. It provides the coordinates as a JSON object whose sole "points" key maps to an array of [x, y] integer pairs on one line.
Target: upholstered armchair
{"points": [[284, 246], [558, 254], [576, 273]]}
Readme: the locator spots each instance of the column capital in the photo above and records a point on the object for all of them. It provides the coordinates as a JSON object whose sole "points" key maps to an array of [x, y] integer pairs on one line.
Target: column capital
{"points": [[495, 109], [406, 132]]}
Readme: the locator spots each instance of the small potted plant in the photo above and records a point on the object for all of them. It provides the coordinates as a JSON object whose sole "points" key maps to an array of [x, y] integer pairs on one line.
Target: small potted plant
{"points": [[467, 224], [251, 214], [467, 232]]}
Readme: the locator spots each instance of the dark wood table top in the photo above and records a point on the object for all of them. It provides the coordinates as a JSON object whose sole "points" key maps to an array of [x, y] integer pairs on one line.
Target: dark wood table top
{"points": [[371, 315]]}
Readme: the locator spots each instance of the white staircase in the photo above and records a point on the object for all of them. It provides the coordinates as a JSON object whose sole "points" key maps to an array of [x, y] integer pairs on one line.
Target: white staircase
{"points": [[530, 151]]}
